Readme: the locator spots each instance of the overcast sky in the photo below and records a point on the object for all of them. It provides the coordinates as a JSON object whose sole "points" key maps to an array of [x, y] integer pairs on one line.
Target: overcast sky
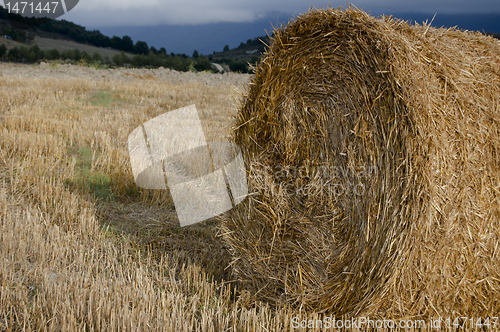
{"points": [[101, 13]]}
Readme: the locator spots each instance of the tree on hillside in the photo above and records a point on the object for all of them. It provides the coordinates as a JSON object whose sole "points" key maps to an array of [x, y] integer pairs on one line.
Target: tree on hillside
{"points": [[35, 48], [77, 36], [238, 66], [3, 50], [141, 47], [125, 58], [97, 57], [226, 48], [3, 13], [116, 43], [77, 54], [23, 53], [13, 54], [85, 56], [35, 53], [121, 59], [127, 44], [138, 60], [117, 59], [19, 36], [98, 39], [53, 54], [152, 59], [67, 54], [202, 64], [196, 54]]}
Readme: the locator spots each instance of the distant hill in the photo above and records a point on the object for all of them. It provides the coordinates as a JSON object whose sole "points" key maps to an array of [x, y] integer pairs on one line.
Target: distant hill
{"points": [[48, 41], [65, 30], [246, 52]]}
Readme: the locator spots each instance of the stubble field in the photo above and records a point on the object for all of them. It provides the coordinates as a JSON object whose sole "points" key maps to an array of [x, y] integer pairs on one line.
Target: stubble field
{"points": [[81, 246]]}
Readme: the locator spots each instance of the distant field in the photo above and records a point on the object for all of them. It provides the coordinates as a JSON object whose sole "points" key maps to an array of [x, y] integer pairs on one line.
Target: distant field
{"points": [[61, 45]]}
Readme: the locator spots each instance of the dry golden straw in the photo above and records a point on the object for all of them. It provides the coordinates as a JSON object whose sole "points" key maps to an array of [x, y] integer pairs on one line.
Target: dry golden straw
{"points": [[372, 149]]}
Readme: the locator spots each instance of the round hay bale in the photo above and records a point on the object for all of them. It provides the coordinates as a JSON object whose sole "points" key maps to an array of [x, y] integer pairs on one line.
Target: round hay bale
{"points": [[372, 150]]}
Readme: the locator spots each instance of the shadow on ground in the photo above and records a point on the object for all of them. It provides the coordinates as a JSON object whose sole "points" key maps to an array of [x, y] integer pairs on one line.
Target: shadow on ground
{"points": [[158, 228]]}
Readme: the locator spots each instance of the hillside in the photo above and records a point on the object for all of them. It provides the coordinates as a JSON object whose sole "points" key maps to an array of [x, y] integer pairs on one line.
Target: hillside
{"points": [[65, 40], [22, 28], [60, 44], [49, 40], [246, 52]]}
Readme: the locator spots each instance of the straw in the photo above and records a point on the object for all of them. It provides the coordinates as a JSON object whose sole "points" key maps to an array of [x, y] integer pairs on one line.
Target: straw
{"points": [[372, 150]]}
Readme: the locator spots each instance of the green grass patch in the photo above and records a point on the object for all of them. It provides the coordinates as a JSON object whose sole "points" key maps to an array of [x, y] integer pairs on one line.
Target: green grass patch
{"points": [[55, 64], [86, 181], [107, 99], [98, 185]]}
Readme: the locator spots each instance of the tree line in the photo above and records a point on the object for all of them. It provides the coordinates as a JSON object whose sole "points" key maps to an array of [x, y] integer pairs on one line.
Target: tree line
{"points": [[179, 62], [19, 36]]}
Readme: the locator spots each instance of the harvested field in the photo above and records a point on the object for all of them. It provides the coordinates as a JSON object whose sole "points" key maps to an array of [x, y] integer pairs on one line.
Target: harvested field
{"points": [[372, 151], [57, 70], [81, 247]]}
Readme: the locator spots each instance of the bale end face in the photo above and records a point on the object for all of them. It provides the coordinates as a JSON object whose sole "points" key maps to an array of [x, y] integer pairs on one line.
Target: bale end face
{"points": [[371, 148]]}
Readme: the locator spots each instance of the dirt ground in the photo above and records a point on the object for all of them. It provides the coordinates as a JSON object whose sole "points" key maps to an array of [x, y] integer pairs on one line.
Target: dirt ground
{"points": [[45, 70]]}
